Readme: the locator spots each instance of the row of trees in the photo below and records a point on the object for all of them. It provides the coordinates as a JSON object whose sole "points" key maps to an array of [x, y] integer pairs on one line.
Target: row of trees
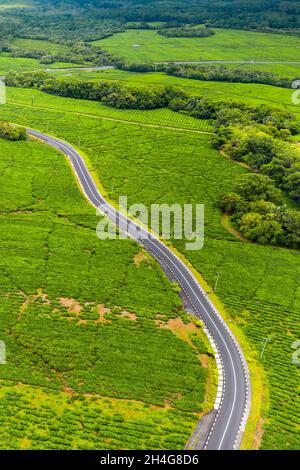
{"points": [[259, 213], [225, 74], [79, 53], [187, 31], [114, 94], [7, 131], [219, 73], [226, 113]]}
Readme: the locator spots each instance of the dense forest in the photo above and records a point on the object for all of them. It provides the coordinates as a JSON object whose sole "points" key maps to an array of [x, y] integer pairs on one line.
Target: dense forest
{"points": [[244, 14], [69, 20]]}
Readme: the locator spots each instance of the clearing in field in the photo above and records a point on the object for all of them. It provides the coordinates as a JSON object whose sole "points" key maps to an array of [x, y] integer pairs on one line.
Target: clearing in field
{"points": [[225, 45]]}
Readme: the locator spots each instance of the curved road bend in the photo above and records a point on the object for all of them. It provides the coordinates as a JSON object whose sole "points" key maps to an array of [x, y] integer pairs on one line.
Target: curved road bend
{"points": [[233, 400]]}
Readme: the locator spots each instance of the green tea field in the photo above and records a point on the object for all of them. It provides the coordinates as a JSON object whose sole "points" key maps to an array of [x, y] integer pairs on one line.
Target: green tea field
{"points": [[149, 46], [258, 285]]}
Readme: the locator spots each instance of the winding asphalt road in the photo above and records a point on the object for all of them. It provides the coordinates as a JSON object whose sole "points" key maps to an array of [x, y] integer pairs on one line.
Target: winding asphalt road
{"points": [[227, 421]]}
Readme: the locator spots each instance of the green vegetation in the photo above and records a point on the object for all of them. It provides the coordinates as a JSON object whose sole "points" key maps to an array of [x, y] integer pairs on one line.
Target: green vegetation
{"points": [[257, 147], [112, 94], [257, 139], [155, 117], [10, 132], [43, 419], [101, 17], [130, 159], [187, 31], [258, 212], [49, 53], [246, 93], [224, 74], [148, 46], [121, 96], [64, 23], [257, 208], [91, 349], [290, 71], [61, 387], [41, 45], [13, 64]]}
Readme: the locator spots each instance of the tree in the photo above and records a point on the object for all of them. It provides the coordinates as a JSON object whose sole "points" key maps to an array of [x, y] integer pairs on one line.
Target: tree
{"points": [[292, 181], [10, 132], [229, 202], [255, 228], [254, 187]]}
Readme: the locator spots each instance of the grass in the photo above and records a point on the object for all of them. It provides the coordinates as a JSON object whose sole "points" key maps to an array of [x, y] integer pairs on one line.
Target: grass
{"points": [[157, 165], [223, 46], [90, 346], [41, 45], [19, 64]]}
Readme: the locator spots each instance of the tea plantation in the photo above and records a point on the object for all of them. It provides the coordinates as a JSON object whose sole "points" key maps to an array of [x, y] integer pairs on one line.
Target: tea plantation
{"points": [[95, 355]]}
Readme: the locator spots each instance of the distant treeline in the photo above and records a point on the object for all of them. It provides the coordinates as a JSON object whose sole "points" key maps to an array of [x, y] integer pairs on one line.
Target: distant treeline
{"points": [[57, 24], [186, 31], [80, 53], [68, 21], [263, 15], [219, 73], [7, 131], [114, 94]]}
